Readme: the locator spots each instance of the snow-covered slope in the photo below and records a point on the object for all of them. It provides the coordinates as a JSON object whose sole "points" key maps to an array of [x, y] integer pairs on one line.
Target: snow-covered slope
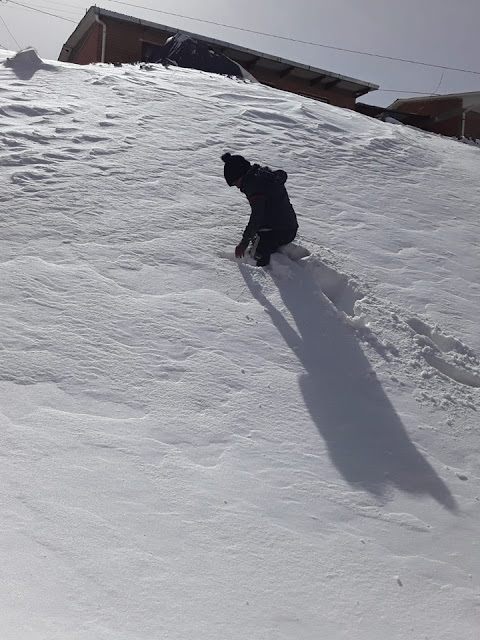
{"points": [[196, 448]]}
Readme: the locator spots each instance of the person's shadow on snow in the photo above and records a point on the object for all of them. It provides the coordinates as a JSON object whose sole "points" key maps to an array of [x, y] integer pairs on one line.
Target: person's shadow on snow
{"points": [[366, 439]]}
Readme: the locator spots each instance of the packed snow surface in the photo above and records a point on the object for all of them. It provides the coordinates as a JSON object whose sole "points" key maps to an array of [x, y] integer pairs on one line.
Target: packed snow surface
{"points": [[195, 448]]}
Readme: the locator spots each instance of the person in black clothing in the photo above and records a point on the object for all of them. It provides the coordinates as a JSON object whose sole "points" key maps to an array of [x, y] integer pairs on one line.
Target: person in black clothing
{"points": [[273, 222]]}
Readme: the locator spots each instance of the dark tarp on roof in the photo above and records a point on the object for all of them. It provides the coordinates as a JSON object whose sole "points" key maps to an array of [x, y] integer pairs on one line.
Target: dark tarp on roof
{"points": [[184, 51]]}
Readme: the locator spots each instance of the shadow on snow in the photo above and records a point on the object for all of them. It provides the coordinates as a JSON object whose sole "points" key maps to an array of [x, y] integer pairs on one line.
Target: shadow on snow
{"points": [[365, 437]]}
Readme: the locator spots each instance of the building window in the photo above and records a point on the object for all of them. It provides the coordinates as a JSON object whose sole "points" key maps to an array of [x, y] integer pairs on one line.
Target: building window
{"points": [[151, 52]]}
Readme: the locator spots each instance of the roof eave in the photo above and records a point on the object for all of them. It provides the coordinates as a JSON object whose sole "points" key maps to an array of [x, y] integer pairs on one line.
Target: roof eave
{"points": [[77, 35], [431, 98], [362, 86]]}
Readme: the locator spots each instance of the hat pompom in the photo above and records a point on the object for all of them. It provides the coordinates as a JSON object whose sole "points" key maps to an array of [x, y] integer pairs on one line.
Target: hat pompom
{"points": [[226, 157]]}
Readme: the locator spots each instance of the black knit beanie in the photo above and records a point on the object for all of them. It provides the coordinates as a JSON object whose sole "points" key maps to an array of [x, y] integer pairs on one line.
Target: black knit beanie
{"points": [[235, 167]]}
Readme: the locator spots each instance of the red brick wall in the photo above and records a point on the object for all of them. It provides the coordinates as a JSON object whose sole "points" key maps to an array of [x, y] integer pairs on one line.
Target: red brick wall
{"points": [[304, 88], [124, 41], [472, 125], [90, 49], [450, 127]]}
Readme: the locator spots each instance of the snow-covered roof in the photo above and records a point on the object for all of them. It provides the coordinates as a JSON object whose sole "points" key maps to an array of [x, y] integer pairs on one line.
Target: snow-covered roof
{"points": [[250, 58]]}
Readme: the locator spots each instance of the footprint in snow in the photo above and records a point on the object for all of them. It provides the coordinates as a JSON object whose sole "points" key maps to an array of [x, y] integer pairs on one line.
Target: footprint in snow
{"points": [[436, 345], [337, 287]]}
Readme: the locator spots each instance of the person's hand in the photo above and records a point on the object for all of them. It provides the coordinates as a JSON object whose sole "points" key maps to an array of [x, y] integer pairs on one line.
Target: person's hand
{"points": [[240, 250]]}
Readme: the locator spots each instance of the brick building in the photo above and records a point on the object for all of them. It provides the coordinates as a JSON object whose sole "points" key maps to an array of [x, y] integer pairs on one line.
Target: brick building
{"points": [[456, 115], [106, 36]]}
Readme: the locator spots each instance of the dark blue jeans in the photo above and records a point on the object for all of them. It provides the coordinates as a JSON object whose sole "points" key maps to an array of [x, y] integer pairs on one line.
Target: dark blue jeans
{"points": [[270, 241]]}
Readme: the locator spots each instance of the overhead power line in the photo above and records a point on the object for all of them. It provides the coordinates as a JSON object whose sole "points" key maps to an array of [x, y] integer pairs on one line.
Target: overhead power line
{"points": [[59, 3], [62, 10], [270, 35], [313, 44], [10, 33], [420, 93], [54, 15], [263, 33]]}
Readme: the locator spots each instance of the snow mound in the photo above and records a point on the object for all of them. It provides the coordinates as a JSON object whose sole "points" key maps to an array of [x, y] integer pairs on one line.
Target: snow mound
{"points": [[195, 447], [26, 63]]}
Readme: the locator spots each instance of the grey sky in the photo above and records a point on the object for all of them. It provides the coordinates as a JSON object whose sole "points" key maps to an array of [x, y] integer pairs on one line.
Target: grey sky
{"points": [[441, 32]]}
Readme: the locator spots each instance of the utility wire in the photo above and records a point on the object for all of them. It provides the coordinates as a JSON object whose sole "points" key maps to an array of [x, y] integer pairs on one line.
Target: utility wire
{"points": [[62, 9], [269, 35], [439, 84], [313, 44], [26, 6], [11, 34], [420, 93], [58, 2], [56, 7]]}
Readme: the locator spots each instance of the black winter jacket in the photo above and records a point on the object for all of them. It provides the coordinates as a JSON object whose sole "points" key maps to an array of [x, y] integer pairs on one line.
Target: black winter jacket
{"points": [[271, 206]]}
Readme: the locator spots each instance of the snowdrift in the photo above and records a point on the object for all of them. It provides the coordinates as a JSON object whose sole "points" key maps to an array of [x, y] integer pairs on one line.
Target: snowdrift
{"points": [[196, 448]]}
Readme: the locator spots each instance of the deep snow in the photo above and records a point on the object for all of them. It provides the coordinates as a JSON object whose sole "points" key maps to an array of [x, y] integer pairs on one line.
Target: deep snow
{"points": [[196, 448]]}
